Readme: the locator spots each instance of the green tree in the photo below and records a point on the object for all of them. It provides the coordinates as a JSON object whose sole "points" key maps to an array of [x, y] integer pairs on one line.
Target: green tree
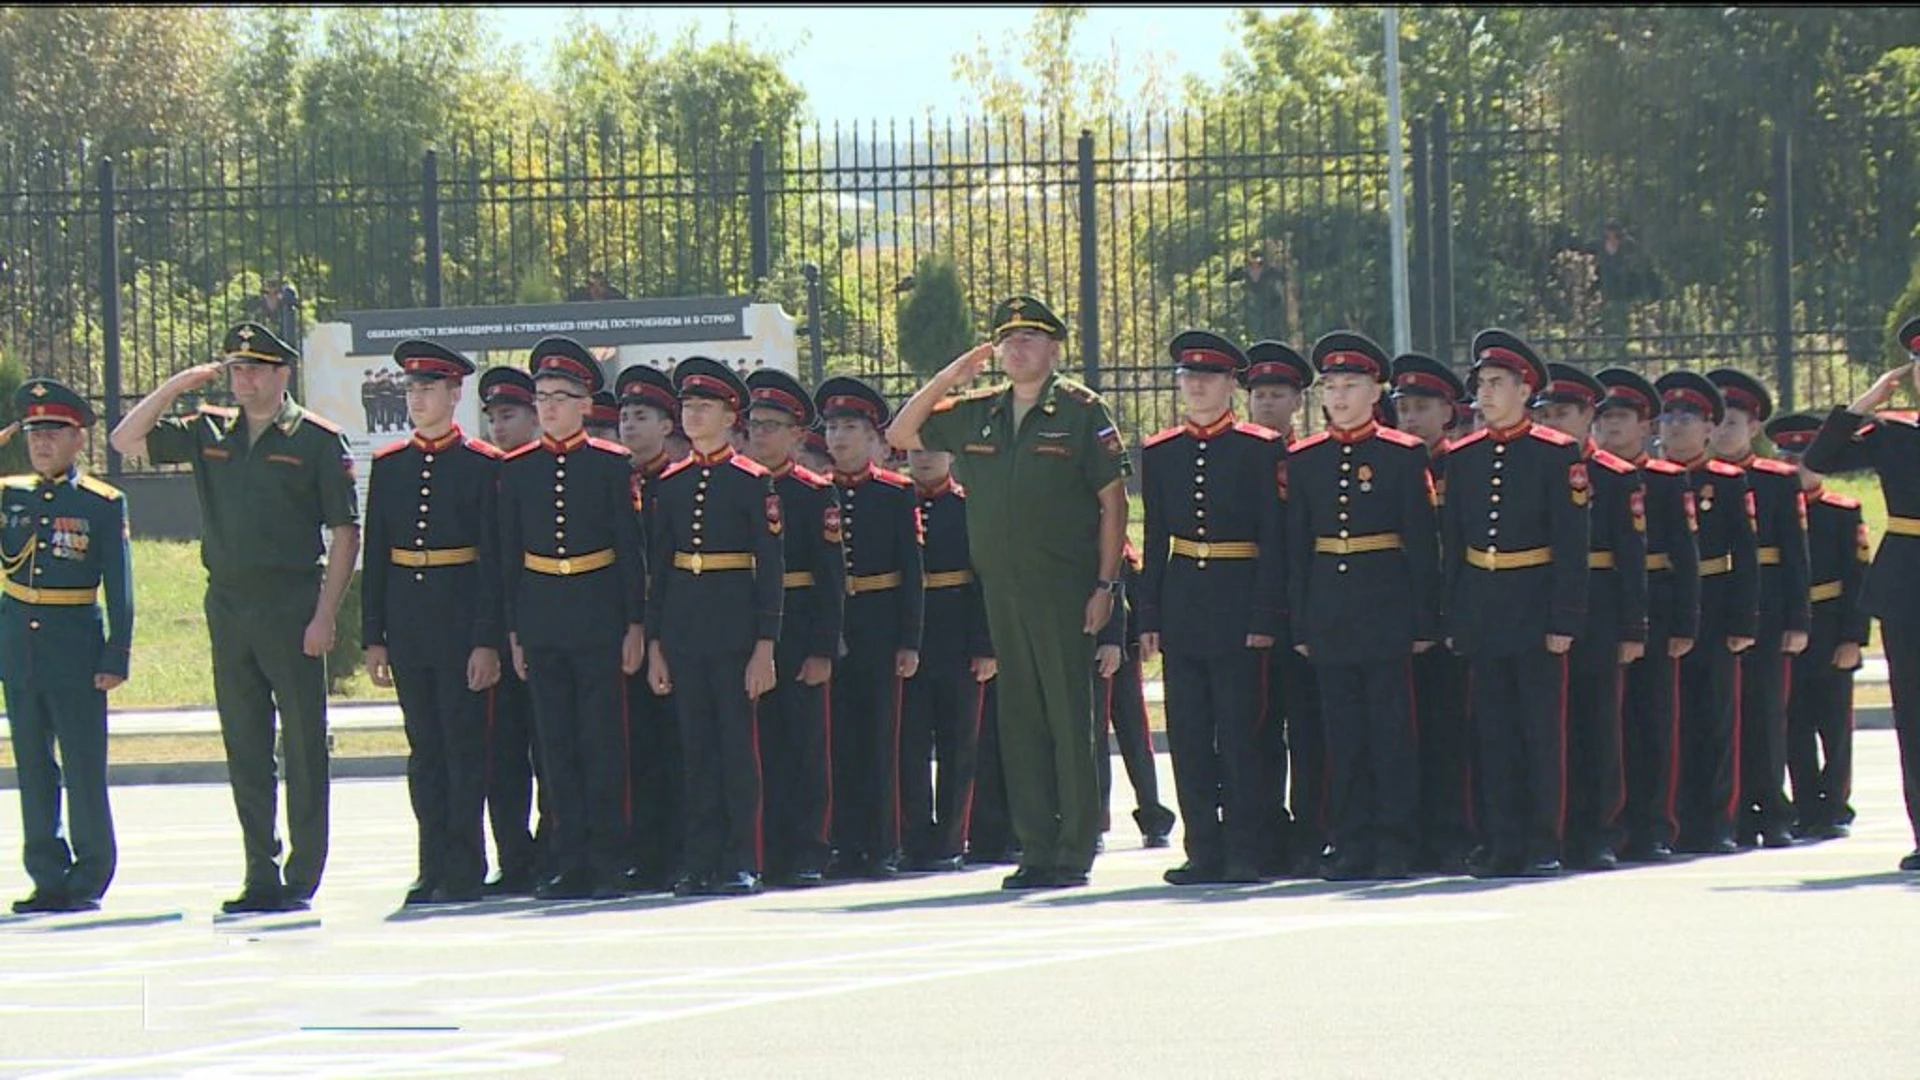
{"points": [[934, 326]]}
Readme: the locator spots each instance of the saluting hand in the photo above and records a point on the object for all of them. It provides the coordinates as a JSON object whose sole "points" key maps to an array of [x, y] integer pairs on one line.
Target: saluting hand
{"points": [[379, 667], [7, 433], [1883, 388], [966, 367]]}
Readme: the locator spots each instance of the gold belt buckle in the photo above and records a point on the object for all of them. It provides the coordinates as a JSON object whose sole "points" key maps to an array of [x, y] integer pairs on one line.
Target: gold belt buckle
{"points": [[1202, 549], [695, 563], [566, 567]]}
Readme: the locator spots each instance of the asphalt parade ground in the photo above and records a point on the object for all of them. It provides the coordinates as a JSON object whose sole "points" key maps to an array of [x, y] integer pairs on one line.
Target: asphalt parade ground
{"points": [[1792, 963]]}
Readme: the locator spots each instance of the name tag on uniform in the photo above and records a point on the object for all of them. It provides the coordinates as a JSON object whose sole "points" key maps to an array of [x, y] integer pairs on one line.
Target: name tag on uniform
{"points": [[979, 448], [1053, 450], [285, 459], [217, 454]]}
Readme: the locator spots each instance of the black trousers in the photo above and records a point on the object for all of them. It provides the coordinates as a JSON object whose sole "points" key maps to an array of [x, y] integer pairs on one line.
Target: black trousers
{"points": [[1445, 741], [656, 780], [446, 726], [866, 756], [1596, 782], [796, 733], [1213, 718], [1122, 703], [940, 721], [513, 763], [990, 832], [1820, 741], [1374, 786], [1764, 686], [1709, 744], [1271, 740], [1519, 712], [1902, 646], [583, 738], [1309, 819], [720, 748], [1650, 740]]}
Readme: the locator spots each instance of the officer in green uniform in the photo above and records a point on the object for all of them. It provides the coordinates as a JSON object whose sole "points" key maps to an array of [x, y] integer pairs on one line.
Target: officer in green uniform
{"points": [[270, 476], [1045, 473], [63, 535]]}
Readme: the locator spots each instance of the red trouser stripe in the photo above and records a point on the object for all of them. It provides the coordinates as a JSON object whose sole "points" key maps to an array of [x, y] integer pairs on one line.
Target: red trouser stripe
{"points": [[825, 832], [966, 800], [1733, 801], [759, 790]]}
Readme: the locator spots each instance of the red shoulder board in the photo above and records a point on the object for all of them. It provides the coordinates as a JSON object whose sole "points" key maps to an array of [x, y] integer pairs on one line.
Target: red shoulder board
{"points": [[484, 449], [1311, 440], [1779, 468], [1721, 468], [1663, 466], [1258, 431], [1400, 438], [1466, 440], [891, 478], [1159, 437], [393, 447], [1548, 435], [1613, 463], [1844, 502], [320, 422], [959, 492], [1899, 416], [747, 465], [809, 477], [522, 450], [609, 447], [675, 467]]}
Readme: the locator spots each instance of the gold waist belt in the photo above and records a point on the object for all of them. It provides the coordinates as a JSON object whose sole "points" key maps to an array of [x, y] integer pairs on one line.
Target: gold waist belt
{"points": [[949, 579], [27, 594], [706, 562], [799, 579], [1215, 549], [1659, 562], [1356, 545], [1826, 590], [1903, 526], [1509, 560], [1713, 567], [1769, 556], [572, 564], [857, 583], [1599, 560], [434, 557]]}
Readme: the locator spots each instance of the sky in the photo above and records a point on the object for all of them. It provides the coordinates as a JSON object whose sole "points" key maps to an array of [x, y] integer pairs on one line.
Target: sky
{"points": [[893, 62]]}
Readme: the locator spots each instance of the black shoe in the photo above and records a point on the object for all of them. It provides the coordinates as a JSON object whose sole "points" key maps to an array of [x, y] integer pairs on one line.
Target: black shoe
{"points": [[1305, 864], [1391, 868], [1912, 861], [517, 883], [1836, 830], [43, 902], [1544, 867], [459, 894], [419, 893], [847, 866], [740, 883], [1243, 873], [1486, 863], [804, 878], [691, 885], [992, 856], [252, 901], [1602, 859], [946, 864], [1347, 867], [1191, 873], [638, 882], [883, 869], [1726, 845], [614, 889], [1450, 864], [1156, 824], [1068, 879], [80, 903], [1028, 877], [572, 885], [1776, 838]]}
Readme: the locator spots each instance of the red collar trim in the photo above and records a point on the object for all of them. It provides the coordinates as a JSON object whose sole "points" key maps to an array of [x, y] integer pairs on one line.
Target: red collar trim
{"points": [[1353, 435], [560, 446], [853, 479], [1743, 462], [781, 469], [1226, 421], [1507, 435], [434, 446], [945, 485], [718, 457], [1700, 462]]}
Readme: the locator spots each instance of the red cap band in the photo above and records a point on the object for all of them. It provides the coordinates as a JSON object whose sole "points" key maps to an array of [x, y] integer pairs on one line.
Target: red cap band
{"points": [[1633, 399], [1691, 398], [1795, 440], [44, 410], [1738, 397], [508, 392], [712, 385], [1274, 369], [1512, 361], [1426, 380], [554, 363], [857, 404], [1207, 359], [1347, 359], [432, 365], [777, 398], [1569, 388]]}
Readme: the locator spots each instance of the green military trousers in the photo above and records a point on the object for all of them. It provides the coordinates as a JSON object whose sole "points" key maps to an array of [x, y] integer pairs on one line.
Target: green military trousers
{"points": [[1046, 721], [72, 714], [257, 624]]}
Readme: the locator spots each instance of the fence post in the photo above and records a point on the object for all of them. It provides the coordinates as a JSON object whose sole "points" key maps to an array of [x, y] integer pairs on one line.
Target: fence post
{"points": [[816, 348], [1783, 266], [1089, 268], [1441, 222], [109, 307], [1420, 276], [430, 220], [757, 228]]}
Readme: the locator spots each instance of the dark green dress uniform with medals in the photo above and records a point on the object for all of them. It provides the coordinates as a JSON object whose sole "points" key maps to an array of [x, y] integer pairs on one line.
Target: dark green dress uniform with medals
{"points": [[574, 573], [880, 531], [796, 764], [1709, 785], [1820, 701], [1363, 574], [1616, 612], [430, 593], [1780, 531], [717, 561], [656, 784], [513, 757], [1033, 523], [1292, 740], [1515, 533], [1439, 674], [264, 506], [62, 542], [1649, 703], [1213, 572]]}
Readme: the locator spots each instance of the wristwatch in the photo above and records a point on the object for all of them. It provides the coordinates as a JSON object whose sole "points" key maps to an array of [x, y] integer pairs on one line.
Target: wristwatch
{"points": [[1116, 587]]}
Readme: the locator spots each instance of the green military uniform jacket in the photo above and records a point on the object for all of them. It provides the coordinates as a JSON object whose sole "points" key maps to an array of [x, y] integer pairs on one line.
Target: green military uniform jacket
{"points": [[262, 505], [61, 543], [1031, 492]]}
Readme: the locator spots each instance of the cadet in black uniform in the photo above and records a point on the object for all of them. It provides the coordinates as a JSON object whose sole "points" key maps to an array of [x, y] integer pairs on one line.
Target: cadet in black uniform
{"points": [[1292, 742], [1649, 709], [717, 561], [1426, 394], [879, 522], [430, 615], [1515, 533], [1364, 568], [1121, 701], [1780, 530], [513, 753], [942, 703], [656, 827], [603, 417], [1615, 634], [1820, 699], [1212, 586], [795, 720], [65, 540], [1709, 788], [1855, 438], [575, 577]]}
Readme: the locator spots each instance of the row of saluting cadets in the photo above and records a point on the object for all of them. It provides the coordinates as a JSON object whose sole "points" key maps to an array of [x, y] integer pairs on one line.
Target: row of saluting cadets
{"points": [[1437, 636]]}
